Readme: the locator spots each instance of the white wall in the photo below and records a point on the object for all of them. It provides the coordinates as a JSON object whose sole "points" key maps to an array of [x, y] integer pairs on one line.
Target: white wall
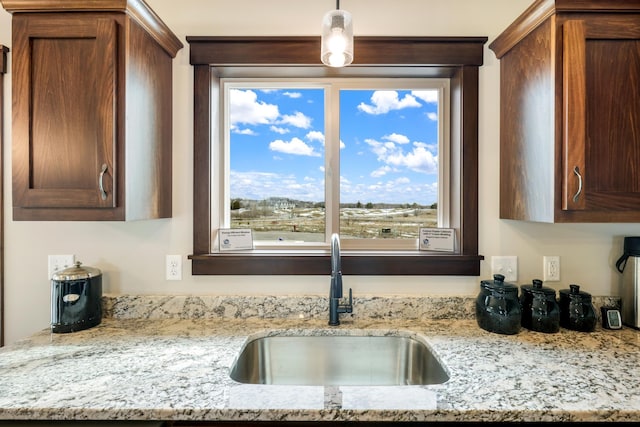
{"points": [[131, 255]]}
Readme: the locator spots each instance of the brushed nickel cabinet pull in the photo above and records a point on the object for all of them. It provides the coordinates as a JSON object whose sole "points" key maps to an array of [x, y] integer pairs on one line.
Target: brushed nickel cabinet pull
{"points": [[576, 170], [103, 193]]}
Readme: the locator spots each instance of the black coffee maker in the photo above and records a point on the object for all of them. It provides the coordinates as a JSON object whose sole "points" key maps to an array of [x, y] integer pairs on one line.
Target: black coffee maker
{"points": [[76, 299]]}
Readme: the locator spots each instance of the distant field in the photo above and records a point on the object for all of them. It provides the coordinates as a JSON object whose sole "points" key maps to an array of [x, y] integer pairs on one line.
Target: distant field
{"points": [[307, 224]]}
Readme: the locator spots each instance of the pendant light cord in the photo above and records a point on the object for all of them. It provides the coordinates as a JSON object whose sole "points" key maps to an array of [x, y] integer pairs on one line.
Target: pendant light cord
{"points": [[337, 4]]}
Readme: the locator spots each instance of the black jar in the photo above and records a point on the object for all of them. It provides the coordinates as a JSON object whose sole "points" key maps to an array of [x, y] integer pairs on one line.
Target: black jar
{"points": [[498, 306], [526, 298], [76, 299], [547, 316], [576, 310], [545, 311]]}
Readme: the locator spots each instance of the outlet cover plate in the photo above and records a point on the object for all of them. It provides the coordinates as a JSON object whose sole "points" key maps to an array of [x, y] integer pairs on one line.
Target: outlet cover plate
{"points": [[173, 267], [551, 266]]}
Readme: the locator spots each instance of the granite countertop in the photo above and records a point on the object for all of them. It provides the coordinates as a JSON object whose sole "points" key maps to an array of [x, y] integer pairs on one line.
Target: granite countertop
{"points": [[167, 368]]}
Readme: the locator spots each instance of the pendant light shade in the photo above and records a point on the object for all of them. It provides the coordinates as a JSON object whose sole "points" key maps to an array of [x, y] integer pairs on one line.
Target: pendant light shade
{"points": [[337, 38]]}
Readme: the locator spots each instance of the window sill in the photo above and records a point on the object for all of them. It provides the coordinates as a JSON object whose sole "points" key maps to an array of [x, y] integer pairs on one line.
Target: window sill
{"points": [[352, 263]]}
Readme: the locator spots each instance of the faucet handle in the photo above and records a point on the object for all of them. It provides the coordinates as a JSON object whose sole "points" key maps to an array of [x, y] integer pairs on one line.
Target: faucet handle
{"points": [[349, 307]]}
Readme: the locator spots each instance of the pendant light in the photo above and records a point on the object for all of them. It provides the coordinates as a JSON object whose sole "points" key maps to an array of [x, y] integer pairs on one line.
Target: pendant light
{"points": [[337, 38]]}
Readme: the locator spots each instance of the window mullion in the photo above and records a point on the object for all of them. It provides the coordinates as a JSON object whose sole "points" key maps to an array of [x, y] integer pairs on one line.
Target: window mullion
{"points": [[332, 159], [220, 156], [444, 153]]}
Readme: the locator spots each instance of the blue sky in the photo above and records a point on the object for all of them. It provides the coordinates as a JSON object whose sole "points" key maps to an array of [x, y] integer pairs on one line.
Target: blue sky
{"points": [[388, 143]]}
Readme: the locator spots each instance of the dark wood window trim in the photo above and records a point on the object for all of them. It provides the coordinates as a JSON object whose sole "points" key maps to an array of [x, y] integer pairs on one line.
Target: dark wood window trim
{"points": [[3, 70], [456, 58]]}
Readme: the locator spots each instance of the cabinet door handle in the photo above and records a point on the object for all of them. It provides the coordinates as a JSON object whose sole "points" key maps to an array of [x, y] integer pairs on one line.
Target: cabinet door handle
{"points": [[103, 193], [576, 170]]}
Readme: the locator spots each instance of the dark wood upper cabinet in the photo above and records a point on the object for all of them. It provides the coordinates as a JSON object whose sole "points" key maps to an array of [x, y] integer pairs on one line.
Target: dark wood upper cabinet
{"points": [[570, 112], [92, 110]]}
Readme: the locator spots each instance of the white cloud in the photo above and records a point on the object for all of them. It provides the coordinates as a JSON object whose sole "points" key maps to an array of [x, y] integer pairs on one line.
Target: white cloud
{"points": [[315, 135], [262, 185], [243, 184], [430, 96], [377, 147], [293, 95], [384, 101], [279, 130], [381, 171], [298, 120], [397, 138], [296, 146], [419, 159], [242, 131], [432, 116], [245, 108], [292, 185], [431, 147], [399, 190]]}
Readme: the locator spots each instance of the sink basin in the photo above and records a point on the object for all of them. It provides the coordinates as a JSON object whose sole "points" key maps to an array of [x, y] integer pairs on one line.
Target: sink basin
{"points": [[338, 360]]}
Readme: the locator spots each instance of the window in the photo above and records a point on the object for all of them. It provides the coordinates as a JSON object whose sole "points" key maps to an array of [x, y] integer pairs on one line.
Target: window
{"points": [[292, 60], [285, 141]]}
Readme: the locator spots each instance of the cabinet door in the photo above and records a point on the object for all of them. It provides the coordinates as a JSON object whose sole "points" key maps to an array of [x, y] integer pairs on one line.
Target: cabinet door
{"points": [[64, 112], [601, 113]]}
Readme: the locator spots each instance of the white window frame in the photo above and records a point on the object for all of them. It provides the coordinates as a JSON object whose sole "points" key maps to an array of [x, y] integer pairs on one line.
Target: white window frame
{"points": [[220, 198]]}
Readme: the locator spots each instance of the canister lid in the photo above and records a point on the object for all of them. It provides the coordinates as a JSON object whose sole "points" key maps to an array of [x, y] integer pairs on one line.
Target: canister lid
{"points": [[536, 285], [76, 272], [574, 293], [498, 284]]}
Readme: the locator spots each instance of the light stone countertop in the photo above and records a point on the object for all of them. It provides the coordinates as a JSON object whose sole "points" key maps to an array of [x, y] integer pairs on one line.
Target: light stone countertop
{"points": [[167, 368]]}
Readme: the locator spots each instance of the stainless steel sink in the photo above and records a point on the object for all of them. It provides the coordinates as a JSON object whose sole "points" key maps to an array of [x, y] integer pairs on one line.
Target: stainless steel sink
{"points": [[338, 360]]}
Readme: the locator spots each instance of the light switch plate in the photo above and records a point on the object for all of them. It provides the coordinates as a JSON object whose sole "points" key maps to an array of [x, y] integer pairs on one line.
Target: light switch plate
{"points": [[59, 262], [505, 265]]}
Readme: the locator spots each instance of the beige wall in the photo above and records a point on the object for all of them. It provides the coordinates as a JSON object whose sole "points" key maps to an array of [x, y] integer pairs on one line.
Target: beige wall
{"points": [[131, 255]]}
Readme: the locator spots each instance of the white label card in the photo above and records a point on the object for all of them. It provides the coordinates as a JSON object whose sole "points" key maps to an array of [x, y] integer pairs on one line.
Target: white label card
{"points": [[235, 239], [437, 239]]}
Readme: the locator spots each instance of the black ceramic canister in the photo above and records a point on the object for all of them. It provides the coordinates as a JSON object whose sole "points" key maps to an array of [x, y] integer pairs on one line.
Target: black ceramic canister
{"points": [[576, 310], [526, 298], [498, 306], [547, 312], [76, 299]]}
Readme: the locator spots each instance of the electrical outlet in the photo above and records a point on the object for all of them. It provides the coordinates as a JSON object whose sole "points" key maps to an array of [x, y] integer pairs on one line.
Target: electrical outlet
{"points": [[505, 265], [551, 268], [174, 267], [59, 262]]}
